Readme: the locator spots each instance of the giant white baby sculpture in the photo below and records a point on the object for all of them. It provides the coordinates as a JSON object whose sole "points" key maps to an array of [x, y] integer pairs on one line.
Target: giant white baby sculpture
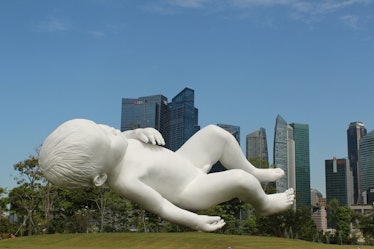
{"points": [[81, 153]]}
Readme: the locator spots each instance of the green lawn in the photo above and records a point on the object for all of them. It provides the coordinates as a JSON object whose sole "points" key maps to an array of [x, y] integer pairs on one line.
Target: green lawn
{"points": [[193, 240]]}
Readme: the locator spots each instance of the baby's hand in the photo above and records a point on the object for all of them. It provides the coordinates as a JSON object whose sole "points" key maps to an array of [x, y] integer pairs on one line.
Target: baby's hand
{"points": [[207, 223], [149, 135]]}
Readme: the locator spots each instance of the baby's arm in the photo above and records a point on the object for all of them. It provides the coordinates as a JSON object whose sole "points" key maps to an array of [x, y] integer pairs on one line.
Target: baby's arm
{"points": [[145, 135], [152, 201]]}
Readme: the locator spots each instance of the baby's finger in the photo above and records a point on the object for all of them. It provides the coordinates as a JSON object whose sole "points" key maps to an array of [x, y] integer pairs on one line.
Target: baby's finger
{"points": [[219, 224], [152, 139], [143, 138], [160, 139]]}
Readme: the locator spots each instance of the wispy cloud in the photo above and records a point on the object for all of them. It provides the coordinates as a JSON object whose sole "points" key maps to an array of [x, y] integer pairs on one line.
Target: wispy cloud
{"points": [[327, 6], [304, 10], [351, 21], [96, 34], [316, 6], [191, 3], [260, 3], [52, 25]]}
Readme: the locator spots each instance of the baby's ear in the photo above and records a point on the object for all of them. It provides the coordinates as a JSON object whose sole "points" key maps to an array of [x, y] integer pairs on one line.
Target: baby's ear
{"points": [[99, 180]]}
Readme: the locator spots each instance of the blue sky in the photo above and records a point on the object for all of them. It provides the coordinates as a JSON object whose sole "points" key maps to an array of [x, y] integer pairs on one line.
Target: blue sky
{"points": [[247, 60]]}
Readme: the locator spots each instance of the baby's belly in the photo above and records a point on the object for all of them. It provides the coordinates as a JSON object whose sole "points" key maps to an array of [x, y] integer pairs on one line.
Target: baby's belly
{"points": [[171, 184]]}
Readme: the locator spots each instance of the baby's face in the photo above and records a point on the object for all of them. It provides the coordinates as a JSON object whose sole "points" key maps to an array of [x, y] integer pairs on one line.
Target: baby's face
{"points": [[117, 145]]}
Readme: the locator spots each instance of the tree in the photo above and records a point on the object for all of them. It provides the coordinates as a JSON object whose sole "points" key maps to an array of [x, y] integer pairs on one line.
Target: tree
{"points": [[26, 198], [340, 219], [366, 225], [49, 194], [331, 209], [343, 217], [3, 201], [291, 224], [250, 225], [101, 199], [303, 226]]}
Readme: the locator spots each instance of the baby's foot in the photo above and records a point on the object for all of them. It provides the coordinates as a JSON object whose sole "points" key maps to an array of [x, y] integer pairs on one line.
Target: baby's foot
{"points": [[277, 203], [268, 175]]}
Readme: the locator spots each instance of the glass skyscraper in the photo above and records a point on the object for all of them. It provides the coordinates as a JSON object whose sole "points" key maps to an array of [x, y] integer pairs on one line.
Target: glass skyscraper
{"points": [[256, 145], [177, 121], [355, 132], [366, 157], [339, 181], [302, 164], [284, 154], [183, 118], [149, 111]]}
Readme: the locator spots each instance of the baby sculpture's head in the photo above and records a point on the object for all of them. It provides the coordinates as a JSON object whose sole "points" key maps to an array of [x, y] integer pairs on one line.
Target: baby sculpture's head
{"points": [[78, 153]]}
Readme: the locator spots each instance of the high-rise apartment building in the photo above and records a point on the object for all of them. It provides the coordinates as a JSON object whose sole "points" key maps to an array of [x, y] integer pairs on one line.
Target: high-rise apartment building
{"points": [[284, 154], [183, 118], [339, 181], [302, 164], [256, 145], [366, 158], [355, 132], [177, 121]]}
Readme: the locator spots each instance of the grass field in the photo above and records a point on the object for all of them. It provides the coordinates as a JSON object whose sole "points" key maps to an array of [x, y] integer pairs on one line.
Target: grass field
{"points": [[160, 240]]}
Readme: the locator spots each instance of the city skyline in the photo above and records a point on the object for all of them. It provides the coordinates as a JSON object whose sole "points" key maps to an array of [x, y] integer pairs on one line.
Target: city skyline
{"points": [[247, 61]]}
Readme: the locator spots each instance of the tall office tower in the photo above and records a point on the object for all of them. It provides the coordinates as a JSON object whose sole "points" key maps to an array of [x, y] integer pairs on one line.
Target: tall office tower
{"points": [[233, 130], [256, 145], [284, 154], [339, 181], [366, 157], [149, 111], [355, 132], [177, 121], [183, 118], [302, 164]]}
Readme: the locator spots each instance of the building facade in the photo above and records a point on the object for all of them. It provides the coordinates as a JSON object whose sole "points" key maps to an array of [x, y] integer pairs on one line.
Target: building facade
{"points": [[319, 216], [256, 145], [355, 132], [302, 164], [366, 158], [339, 181], [148, 111], [284, 154], [177, 121], [183, 118]]}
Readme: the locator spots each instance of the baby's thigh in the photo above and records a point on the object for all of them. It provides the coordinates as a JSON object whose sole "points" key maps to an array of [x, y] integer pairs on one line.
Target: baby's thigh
{"points": [[205, 147], [211, 189]]}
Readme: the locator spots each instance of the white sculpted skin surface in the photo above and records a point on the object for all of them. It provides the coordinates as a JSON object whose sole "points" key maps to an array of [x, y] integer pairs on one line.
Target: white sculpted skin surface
{"points": [[81, 153]]}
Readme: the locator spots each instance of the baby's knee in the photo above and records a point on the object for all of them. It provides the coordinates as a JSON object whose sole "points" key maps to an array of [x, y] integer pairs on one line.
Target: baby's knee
{"points": [[217, 131]]}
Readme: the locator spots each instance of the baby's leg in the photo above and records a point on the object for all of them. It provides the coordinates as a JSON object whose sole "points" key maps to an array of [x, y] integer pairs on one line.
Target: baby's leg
{"points": [[212, 189], [212, 144]]}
